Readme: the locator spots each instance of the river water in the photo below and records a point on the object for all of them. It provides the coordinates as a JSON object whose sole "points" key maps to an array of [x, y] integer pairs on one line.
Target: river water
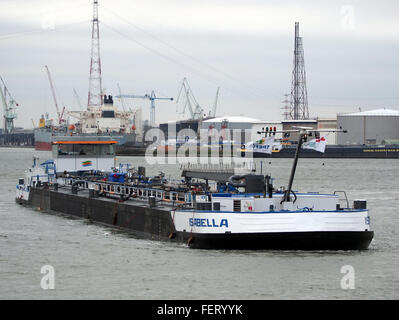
{"points": [[97, 262]]}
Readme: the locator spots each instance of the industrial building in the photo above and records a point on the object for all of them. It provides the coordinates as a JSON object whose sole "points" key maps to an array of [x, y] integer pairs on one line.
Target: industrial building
{"points": [[220, 125], [171, 129], [368, 127], [234, 124], [246, 124]]}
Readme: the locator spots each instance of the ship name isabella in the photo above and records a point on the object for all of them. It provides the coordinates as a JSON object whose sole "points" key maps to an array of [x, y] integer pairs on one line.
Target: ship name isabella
{"points": [[197, 222]]}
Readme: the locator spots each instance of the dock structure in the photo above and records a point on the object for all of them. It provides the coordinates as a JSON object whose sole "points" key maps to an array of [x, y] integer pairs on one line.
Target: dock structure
{"points": [[17, 139]]}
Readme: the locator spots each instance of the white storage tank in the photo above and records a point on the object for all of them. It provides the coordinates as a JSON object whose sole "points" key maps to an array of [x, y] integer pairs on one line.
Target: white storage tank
{"points": [[368, 127]]}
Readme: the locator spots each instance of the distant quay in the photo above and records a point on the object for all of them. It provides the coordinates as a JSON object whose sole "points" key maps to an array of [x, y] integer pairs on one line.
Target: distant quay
{"points": [[16, 146], [332, 151], [26, 140], [17, 139]]}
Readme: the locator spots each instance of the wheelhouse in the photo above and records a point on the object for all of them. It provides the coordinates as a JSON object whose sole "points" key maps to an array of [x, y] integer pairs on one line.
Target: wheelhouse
{"points": [[74, 155]]}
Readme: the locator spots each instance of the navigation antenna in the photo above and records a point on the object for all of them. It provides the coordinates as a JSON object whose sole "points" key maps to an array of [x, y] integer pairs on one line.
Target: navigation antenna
{"points": [[95, 99], [299, 96]]}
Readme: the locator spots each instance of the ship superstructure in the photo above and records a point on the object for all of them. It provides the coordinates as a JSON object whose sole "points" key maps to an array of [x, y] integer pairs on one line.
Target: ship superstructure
{"points": [[106, 119]]}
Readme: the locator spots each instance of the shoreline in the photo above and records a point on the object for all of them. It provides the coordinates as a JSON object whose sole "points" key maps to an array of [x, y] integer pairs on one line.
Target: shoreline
{"points": [[16, 147], [366, 153]]}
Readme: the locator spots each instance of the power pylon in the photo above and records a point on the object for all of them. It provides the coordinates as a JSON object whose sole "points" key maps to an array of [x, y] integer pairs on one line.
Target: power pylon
{"points": [[95, 98], [299, 96]]}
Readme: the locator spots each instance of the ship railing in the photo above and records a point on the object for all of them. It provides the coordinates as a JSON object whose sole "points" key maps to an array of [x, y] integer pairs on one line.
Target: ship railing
{"points": [[131, 192], [70, 181], [142, 193], [39, 179]]}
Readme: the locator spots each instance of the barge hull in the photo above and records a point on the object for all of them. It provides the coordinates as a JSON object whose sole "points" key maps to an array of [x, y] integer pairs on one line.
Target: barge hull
{"points": [[326, 240], [145, 222]]}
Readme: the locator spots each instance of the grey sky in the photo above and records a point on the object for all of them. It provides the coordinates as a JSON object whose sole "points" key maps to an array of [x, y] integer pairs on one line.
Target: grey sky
{"points": [[246, 47]]}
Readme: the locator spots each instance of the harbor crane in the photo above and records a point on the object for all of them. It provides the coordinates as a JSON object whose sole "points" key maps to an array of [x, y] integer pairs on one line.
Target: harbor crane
{"points": [[213, 114], [196, 112], [59, 114], [9, 107], [152, 97], [77, 99]]}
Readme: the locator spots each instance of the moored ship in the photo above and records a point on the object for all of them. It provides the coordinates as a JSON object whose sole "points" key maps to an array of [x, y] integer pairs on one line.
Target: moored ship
{"points": [[106, 120], [338, 151]]}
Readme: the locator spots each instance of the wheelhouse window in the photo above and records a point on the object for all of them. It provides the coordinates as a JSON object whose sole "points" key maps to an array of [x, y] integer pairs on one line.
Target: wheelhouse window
{"points": [[108, 114], [63, 150], [83, 150], [106, 150]]}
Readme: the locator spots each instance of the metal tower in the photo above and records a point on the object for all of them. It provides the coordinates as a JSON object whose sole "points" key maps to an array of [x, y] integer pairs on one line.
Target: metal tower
{"points": [[299, 96], [95, 87], [286, 107]]}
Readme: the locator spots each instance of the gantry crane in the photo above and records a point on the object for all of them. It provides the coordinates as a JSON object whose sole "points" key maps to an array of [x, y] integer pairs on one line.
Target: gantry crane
{"points": [[59, 114], [9, 108], [152, 97], [196, 112]]}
